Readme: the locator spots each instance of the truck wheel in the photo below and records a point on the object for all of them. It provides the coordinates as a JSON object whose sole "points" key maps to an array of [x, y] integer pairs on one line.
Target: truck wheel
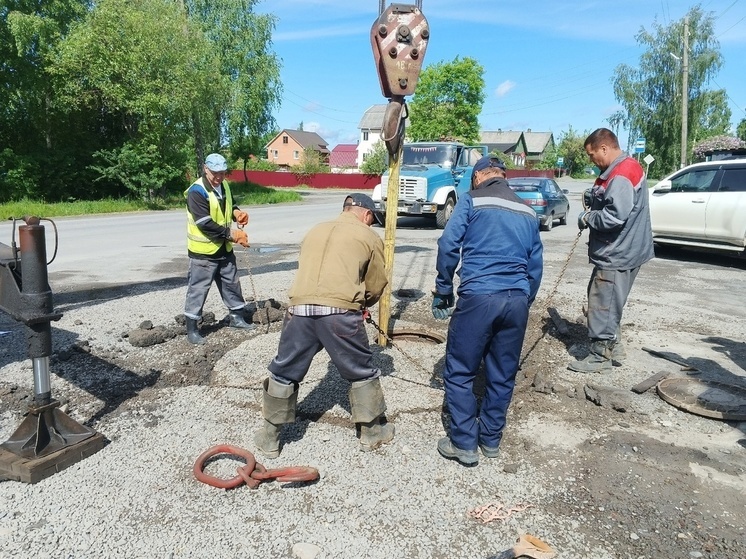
{"points": [[444, 214]]}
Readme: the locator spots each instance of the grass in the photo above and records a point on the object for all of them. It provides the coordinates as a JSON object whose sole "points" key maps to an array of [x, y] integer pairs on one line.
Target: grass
{"points": [[247, 194]]}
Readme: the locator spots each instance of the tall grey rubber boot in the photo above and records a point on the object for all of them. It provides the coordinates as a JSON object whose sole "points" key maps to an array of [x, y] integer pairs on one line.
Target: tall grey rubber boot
{"points": [[193, 334], [278, 408], [237, 321], [368, 406], [597, 361]]}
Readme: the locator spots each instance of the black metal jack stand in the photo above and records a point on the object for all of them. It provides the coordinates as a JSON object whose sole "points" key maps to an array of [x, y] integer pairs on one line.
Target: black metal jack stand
{"points": [[48, 440]]}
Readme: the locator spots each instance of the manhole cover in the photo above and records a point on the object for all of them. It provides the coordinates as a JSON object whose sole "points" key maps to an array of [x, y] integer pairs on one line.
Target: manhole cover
{"points": [[707, 398], [417, 336]]}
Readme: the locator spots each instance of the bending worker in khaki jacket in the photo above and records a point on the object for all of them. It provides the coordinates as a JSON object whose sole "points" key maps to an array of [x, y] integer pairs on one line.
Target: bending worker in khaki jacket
{"points": [[340, 273]]}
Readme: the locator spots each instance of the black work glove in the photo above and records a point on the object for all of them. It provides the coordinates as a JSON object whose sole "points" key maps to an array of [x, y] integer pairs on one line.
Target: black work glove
{"points": [[582, 223], [442, 305]]}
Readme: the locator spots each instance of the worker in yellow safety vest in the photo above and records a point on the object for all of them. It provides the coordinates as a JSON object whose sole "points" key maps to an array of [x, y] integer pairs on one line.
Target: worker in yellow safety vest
{"points": [[210, 238]]}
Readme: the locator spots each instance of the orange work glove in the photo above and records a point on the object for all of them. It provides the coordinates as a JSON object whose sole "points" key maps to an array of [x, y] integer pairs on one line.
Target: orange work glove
{"points": [[242, 218], [240, 237]]}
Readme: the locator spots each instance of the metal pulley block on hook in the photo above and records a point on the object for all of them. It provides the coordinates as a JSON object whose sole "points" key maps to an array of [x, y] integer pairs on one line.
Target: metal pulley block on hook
{"points": [[399, 38]]}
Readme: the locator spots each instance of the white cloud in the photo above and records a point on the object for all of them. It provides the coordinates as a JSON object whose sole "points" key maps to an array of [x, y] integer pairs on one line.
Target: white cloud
{"points": [[503, 89], [332, 136]]}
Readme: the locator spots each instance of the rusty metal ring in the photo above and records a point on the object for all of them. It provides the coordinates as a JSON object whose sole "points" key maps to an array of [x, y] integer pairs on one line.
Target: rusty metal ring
{"points": [[223, 449]]}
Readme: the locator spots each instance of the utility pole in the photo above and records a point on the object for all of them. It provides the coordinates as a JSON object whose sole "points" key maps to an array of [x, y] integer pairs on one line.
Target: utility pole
{"points": [[685, 94]]}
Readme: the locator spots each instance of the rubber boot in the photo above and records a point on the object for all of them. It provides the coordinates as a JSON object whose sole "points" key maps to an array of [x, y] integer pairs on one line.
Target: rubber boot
{"points": [[368, 406], [278, 408], [193, 334], [597, 361], [237, 321]]}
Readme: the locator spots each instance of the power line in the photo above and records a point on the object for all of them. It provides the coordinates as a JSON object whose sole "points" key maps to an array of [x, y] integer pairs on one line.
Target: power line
{"points": [[319, 104], [729, 97], [731, 27], [726, 9], [539, 104], [319, 113]]}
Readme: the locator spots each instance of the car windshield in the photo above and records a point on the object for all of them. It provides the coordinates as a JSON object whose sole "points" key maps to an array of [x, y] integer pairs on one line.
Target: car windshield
{"points": [[428, 155]]}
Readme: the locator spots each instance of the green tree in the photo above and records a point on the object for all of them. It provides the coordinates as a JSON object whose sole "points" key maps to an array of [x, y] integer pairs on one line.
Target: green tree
{"points": [[310, 163], [651, 92], [448, 101], [376, 160], [242, 41], [141, 63], [549, 160], [40, 143], [741, 129], [572, 149]]}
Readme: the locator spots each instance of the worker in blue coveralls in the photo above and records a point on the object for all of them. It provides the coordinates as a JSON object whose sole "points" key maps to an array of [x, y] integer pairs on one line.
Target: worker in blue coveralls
{"points": [[495, 236]]}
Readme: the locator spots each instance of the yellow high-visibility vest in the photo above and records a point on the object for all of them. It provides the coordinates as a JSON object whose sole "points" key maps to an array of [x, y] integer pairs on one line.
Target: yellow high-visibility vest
{"points": [[197, 242]]}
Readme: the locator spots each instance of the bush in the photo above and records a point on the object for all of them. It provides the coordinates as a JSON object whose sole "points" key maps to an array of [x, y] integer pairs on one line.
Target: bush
{"points": [[255, 164]]}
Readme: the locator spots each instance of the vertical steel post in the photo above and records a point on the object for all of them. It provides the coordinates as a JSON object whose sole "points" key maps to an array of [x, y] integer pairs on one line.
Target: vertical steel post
{"points": [[35, 289]]}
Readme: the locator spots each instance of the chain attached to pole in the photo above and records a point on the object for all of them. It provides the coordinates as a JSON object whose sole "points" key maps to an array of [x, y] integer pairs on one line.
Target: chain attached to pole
{"points": [[552, 292]]}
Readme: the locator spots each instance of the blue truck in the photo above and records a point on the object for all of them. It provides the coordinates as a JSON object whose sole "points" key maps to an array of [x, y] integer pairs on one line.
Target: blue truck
{"points": [[433, 175]]}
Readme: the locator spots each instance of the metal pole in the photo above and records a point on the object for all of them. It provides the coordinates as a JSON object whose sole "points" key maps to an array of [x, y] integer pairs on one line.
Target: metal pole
{"points": [[36, 289], [685, 95]]}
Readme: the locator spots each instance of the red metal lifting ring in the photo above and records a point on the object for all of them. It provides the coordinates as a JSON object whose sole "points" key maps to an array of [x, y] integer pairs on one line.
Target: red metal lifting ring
{"points": [[252, 473]]}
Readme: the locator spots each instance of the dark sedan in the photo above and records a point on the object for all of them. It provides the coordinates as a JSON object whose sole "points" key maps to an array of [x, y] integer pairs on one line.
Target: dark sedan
{"points": [[546, 198]]}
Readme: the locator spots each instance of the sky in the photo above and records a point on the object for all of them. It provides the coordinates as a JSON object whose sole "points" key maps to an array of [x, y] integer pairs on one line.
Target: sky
{"points": [[549, 64]]}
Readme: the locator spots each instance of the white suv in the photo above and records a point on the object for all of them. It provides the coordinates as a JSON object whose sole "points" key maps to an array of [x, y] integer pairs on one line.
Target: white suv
{"points": [[702, 205]]}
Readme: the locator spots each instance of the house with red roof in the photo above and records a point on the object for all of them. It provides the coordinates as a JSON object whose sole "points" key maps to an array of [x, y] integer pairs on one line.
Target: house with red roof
{"points": [[343, 158]]}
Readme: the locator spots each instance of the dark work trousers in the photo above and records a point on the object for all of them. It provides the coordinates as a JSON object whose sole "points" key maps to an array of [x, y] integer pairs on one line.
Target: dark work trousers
{"points": [[489, 327], [200, 277], [342, 335], [607, 294]]}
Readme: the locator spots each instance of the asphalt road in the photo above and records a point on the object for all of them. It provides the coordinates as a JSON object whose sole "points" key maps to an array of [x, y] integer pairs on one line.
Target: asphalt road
{"points": [[118, 249]]}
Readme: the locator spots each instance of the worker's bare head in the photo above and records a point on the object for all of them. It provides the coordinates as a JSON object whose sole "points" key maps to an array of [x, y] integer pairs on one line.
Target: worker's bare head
{"points": [[602, 147]]}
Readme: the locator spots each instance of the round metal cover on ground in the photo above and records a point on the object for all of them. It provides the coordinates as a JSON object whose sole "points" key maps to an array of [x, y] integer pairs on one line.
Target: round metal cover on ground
{"points": [[411, 335], [708, 398]]}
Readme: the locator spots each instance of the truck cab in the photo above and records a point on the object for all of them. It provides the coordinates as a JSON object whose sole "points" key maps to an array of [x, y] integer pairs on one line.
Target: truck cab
{"points": [[432, 178]]}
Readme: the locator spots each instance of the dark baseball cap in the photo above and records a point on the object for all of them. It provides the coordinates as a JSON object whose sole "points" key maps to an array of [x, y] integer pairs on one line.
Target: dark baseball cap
{"points": [[362, 201], [488, 161]]}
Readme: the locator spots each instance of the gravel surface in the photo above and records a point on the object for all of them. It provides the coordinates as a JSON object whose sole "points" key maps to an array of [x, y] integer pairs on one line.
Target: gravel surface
{"points": [[628, 477]]}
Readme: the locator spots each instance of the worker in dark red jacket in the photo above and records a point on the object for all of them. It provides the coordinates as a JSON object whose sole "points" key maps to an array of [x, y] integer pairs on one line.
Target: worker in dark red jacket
{"points": [[621, 240]]}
